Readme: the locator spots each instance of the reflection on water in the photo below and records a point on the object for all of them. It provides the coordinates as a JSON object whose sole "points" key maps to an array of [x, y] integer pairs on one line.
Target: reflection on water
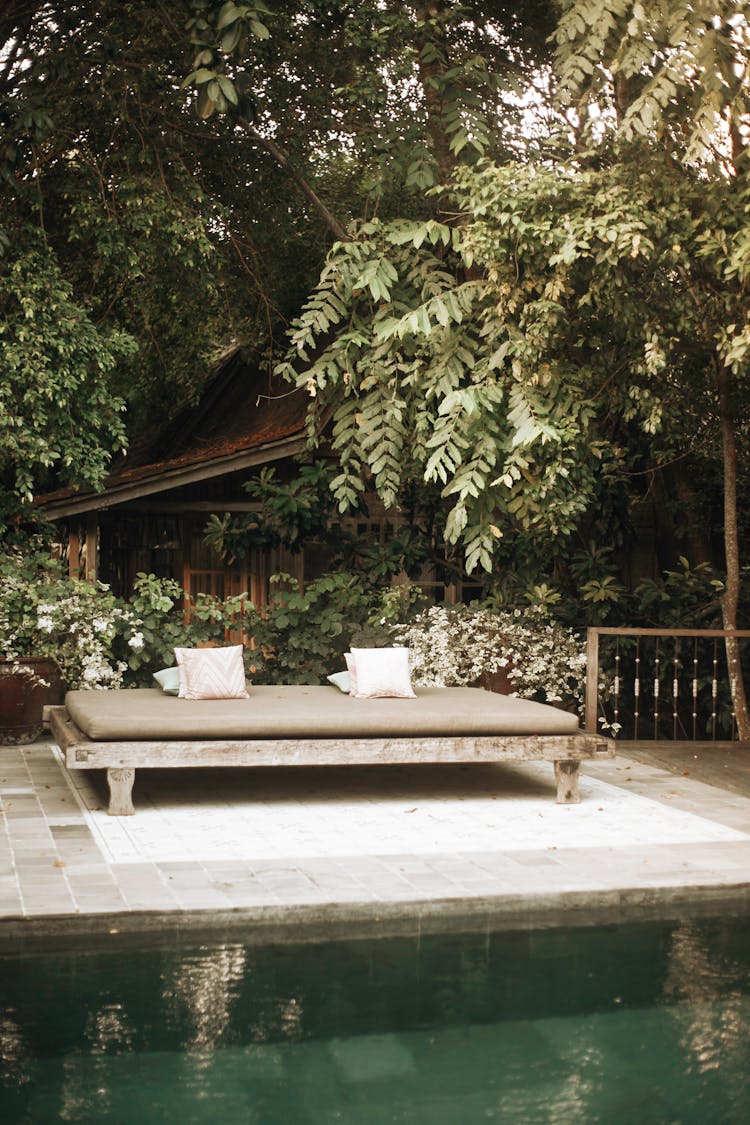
{"points": [[645, 1023], [706, 987], [14, 1052], [202, 991]]}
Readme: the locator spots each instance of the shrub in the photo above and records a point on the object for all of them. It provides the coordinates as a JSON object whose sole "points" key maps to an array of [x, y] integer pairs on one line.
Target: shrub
{"points": [[457, 645]]}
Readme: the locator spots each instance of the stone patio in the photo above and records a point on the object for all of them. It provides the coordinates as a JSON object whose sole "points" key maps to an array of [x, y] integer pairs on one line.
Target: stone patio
{"points": [[369, 843]]}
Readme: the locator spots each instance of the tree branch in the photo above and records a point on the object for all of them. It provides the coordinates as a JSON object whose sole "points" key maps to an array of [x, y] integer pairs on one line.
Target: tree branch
{"points": [[299, 181]]}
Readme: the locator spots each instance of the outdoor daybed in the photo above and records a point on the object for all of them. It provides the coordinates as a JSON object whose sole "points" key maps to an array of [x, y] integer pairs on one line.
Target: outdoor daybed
{"points": [[123, 731]]}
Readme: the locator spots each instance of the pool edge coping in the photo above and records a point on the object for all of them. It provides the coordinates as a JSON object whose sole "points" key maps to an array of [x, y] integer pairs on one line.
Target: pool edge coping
{"points": [[302, 922]]}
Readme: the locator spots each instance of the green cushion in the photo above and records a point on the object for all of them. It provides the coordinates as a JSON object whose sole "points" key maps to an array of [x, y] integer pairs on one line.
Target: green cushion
{"points": [[341, 681], [168, 680]]}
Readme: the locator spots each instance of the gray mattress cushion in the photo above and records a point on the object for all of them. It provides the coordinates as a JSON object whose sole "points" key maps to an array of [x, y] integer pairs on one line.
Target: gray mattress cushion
{"points": [[146, 714]]}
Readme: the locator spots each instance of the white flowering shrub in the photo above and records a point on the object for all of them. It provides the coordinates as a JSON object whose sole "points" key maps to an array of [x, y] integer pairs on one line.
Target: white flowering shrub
{"points": [[457, 646], [97, 639], [81, 627]]}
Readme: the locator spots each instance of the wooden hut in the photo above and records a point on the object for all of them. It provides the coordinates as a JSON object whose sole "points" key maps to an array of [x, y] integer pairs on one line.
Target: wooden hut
{"points": [[151, 514]]}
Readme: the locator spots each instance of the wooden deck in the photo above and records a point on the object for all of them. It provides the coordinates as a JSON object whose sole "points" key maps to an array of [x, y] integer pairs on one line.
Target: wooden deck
{"points": [[723, 764]]}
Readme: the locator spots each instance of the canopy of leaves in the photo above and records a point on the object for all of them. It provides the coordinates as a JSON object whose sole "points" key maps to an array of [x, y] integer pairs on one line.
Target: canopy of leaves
{"points": [[527, 295], [180, 231], [566, 317]]}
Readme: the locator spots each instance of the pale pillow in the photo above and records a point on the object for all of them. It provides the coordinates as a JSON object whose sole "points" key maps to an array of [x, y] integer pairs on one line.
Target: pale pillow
{"points": [[377, 673], [211, 673], [340, 680], [352, 672], [168, 680]]}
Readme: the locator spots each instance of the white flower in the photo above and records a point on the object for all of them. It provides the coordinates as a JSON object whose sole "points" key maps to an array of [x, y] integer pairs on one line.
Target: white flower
{"points": [[136, 641], [100, 624], [449, 646], [46, 624]]}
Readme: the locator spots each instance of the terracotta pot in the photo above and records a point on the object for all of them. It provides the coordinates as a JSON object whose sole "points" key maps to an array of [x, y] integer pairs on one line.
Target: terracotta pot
{"points": [[497, 681], [23, 695]]}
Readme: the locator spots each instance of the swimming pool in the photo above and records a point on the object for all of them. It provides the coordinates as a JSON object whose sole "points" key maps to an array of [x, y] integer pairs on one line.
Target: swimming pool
{"points": [[645, 1023]]}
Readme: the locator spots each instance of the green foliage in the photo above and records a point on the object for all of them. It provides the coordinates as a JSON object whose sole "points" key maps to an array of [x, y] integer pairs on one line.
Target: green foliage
{"points": [[97, 639], [516, 347], [26, 578], [57, 408], [425, 379], [290, 513], [301, 512], [143, 216], [522, 350], [402, 85], [178, 234], [300, 636], [148, 259], [218, 31], [688, 597], [166, 620], [674, 72], [598, 587]]}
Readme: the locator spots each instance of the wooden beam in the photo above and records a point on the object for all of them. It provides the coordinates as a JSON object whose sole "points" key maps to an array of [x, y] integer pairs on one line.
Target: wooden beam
{"points": [[92, 547], [185, 507], [171, 478], [74, 555]]}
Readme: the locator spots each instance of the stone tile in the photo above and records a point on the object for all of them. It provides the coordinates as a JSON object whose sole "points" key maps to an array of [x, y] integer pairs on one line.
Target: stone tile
{"points": [[359, 836], [99, 904]]}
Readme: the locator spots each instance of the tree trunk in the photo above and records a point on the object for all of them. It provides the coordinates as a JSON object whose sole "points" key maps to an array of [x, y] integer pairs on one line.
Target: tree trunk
{"points": [[730, 601], [432, 62]]}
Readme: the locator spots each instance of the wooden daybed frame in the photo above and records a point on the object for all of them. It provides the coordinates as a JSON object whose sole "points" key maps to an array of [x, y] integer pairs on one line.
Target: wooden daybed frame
{"points": [[121, 758]]}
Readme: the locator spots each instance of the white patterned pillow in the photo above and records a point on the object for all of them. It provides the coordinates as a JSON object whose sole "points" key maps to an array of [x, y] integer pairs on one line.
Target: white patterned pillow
{"points": [[211, 673], [377, 673]]}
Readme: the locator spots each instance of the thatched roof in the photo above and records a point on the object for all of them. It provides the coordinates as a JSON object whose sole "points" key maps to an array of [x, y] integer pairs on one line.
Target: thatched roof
{"points": [[243, 418]]}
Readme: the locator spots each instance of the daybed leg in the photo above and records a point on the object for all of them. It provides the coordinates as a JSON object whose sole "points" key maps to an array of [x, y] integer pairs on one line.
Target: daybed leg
{"points": [[120, 792], [566, 773]]}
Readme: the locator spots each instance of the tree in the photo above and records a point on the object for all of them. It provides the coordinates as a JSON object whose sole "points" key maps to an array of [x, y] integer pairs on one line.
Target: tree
{"points": [[56, 409], [168, 237], [507, 350], [105, 261], [679, 75], [426, 85]]}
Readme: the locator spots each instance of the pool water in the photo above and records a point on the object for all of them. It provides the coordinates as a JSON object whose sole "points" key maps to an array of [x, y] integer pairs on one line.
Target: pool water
{"points": [[629, 1023]]}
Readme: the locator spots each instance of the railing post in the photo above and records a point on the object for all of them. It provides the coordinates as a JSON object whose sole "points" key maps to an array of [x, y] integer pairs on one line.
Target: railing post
{"points": [[592, 679]]}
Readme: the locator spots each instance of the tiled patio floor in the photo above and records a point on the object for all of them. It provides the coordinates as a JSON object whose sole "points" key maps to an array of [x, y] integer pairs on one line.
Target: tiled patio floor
{"points": [[361, 841]]}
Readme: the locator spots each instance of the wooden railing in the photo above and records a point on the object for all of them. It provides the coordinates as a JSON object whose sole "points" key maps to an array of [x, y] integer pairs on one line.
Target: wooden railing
{"points": [[660, 683]]}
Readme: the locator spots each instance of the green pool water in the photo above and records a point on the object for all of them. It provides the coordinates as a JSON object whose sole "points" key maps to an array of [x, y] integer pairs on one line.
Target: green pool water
{"points": [[629, 1023]]}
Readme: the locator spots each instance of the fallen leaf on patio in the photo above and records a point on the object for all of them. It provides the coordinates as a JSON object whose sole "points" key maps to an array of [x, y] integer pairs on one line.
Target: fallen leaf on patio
{"points": [[686, 773], [58, 863], [410, 810]]}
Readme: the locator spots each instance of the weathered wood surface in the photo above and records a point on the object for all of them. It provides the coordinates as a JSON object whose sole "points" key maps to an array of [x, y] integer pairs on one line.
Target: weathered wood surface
{"points": [[121, 792], [566, 775], [566, 751]]}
